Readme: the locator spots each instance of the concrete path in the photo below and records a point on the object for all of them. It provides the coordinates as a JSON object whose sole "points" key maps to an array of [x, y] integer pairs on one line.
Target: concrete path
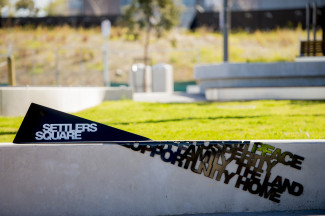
{"points": [[273, 213], [176, 97]]}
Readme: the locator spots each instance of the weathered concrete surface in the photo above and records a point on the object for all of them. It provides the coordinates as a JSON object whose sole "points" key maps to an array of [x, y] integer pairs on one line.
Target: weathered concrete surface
{"points": [[282, 74], [16, 100], [262, 93], [114, 180]]}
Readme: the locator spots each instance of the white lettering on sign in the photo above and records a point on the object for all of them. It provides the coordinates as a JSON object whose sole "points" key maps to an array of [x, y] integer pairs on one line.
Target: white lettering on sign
{"points": [[64, 131]]}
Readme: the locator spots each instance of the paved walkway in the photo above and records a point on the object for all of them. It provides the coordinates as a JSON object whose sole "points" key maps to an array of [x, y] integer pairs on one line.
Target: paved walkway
{"points": [[176, 97], [273, 213]]}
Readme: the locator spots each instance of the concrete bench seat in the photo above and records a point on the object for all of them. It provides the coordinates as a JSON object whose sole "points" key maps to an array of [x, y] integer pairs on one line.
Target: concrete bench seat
{"points": [[282, 74], [265, 93]]}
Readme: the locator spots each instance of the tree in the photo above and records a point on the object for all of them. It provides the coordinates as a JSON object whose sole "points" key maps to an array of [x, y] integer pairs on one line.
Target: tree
{"points": [[27, 4], [151, 16], [2, 4], [56, 7]]}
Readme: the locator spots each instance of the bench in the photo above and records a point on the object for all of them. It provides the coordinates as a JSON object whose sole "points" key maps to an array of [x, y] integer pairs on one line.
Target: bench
{"points": [[312, 48]]}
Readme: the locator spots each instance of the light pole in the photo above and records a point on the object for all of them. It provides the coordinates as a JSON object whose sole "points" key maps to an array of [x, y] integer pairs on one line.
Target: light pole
{"points": [[106, 30], [225, 30]]}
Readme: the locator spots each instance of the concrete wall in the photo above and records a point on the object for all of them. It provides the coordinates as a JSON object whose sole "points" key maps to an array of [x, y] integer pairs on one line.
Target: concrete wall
{"points": [[114, 180], [274, 93], [283, 74], [16, 100]]}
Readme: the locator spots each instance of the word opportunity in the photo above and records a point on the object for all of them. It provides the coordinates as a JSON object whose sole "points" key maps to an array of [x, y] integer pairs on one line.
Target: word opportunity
{"points": [[247, 166], [64, 131]]}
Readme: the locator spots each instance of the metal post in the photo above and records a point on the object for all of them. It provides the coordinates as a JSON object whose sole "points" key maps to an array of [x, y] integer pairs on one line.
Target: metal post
{"points": [[314, 26], [80, 59], [225, 31], [314, 20], [11, 70], [307, 26], [33, 68], [105, 61], [106, 30], [83, 8], [57, 75]]}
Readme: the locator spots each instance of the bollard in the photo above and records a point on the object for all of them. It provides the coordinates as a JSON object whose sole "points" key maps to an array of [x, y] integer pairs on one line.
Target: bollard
{"points": [[140, 78], [162, 78], [11, 71]]}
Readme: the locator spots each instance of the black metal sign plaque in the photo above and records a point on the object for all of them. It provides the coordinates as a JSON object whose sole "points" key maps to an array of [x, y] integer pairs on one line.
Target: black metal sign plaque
{"points": [[45, 125]]}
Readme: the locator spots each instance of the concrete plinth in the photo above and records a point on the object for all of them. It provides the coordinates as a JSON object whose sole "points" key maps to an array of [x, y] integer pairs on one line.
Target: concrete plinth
{"points": [[140, 78], [162, 78], [114, 180]]}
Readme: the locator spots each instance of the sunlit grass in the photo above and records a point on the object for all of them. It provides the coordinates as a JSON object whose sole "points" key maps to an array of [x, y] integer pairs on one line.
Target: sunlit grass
{"points": [[204, 121]]}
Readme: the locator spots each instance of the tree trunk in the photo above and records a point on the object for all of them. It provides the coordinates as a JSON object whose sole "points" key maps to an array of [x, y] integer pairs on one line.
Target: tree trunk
{"points": [[146, 55], [146, 46]]}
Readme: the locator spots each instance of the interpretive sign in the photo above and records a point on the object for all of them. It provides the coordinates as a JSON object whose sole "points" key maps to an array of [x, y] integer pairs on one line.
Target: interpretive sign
{"points": [[256, 168], [249, 164], [45, 125]]}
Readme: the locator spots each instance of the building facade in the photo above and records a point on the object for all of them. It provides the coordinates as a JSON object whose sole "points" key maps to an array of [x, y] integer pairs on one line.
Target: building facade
{"points": [[94, 7]]}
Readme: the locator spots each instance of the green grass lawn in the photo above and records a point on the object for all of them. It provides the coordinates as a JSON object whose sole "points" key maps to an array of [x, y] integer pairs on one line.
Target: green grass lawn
{"points": [[204, 121]]}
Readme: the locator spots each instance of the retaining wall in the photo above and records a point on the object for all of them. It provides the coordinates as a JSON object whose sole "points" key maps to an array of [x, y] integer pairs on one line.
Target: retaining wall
{"points": [[14, 101], [114, 180]]}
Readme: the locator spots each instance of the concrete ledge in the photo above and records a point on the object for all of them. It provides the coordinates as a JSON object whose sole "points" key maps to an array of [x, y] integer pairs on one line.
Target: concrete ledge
{"points": [[118, 93], [282, 74], [310, 58], [16, 100], [254, 70], [161, 97], [280, 93], [114, 180]]}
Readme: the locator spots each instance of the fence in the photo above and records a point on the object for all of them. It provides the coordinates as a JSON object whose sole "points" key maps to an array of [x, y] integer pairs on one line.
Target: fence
{"points": [[4, 70], [74, 21]]}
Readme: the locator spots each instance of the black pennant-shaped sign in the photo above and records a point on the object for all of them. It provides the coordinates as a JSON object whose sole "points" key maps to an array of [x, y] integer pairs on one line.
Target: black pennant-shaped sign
{"points": [[45, 125]]}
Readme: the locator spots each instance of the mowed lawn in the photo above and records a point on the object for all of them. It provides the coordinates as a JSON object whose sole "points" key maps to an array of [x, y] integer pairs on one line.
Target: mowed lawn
{"points": [[204, 121]]}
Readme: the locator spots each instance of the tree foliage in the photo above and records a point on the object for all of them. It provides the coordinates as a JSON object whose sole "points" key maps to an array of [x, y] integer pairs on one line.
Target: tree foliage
{"points": [[3, 3], [56, 7], [155, 16], [27, 4]]}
